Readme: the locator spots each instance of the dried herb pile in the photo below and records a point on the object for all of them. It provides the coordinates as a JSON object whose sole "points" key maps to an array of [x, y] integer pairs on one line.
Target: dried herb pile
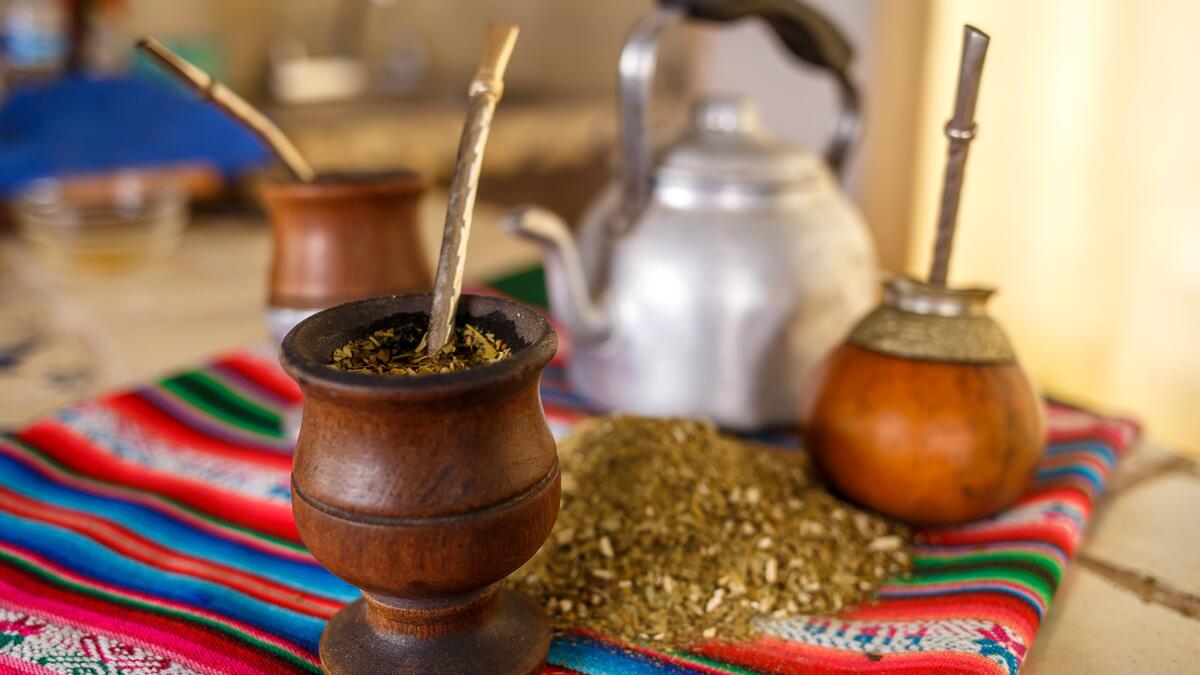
{"points": [[402, 351], [671, 532]]}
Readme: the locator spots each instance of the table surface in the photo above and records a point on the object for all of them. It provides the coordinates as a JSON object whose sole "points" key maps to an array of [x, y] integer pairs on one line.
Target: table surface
{"points": [[1130, 601]]}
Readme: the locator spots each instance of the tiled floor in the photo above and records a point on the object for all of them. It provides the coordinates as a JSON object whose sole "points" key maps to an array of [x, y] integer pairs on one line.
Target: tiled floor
{"points": [[1130, 602], [1097, 627]]}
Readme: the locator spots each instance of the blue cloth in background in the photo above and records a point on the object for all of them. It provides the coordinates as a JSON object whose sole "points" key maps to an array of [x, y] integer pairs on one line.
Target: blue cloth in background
{"points": [[87, 125]]}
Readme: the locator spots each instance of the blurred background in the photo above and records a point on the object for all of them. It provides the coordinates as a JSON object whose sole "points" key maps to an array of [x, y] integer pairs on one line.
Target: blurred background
{"points": [[1079, 204]]}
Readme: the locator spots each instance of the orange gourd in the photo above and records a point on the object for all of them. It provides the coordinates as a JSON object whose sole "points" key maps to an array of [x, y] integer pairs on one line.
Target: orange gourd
{"points": [[923, 417]]}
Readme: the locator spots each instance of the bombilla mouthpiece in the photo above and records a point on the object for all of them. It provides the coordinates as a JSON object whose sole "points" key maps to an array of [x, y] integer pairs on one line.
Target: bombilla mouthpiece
{"points": [[960, 130]]}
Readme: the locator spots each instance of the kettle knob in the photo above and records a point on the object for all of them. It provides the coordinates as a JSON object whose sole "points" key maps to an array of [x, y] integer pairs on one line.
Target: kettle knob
{"points": [[725, 115]]}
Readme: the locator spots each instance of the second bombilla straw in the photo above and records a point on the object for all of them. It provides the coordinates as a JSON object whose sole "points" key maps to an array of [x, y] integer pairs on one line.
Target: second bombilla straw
{"points": [[960, 130], [486, 88], [207, 86]]}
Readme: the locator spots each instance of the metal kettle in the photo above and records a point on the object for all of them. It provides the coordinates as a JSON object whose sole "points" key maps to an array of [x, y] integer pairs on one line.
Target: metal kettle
{"points": [[711, 282]]}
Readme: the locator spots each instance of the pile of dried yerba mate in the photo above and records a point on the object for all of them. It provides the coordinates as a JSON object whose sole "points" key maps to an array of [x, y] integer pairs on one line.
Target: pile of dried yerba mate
{"points": [[671, 533]]}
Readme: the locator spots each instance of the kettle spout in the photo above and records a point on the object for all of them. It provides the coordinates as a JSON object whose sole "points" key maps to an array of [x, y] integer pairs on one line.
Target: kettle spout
{"points": [[570, 299]]}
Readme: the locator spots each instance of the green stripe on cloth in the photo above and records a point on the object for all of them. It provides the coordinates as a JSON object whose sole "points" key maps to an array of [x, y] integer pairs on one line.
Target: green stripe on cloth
{"points": [[528, 286], [218, 400], [1020, 577], [1048, 564], [710, 663]]}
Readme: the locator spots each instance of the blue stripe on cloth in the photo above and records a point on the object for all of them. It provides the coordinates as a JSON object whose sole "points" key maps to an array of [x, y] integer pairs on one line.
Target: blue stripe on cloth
{"points": [[174, 534], [597, 657], [943, 550], [1088, 473], [560, 399], [1104, 450], [90, 559], [777, 439], [893, 592]]}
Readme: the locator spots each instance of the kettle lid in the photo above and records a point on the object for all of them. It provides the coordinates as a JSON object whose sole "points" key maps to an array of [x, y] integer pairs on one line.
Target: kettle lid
{"points": [[725, 144]]}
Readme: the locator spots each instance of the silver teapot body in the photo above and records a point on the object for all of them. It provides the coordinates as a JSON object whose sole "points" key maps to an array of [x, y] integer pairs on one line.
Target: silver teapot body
{"points": [[714, 285]]}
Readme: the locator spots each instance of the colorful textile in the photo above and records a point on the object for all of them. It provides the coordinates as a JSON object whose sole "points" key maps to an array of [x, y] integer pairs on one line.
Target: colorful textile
{"points": [[149, 531]]}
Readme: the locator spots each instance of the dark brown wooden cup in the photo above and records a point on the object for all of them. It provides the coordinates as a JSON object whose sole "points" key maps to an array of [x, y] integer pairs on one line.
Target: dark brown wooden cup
{"points": [[344, 237], [426, 492]]}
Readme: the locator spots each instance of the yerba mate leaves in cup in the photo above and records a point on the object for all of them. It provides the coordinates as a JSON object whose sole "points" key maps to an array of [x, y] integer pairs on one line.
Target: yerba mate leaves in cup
{"points": [[398, 351], [670, 533]]}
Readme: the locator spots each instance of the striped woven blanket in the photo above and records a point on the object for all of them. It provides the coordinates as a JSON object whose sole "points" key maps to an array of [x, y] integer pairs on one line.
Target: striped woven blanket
{"points": [[150, 531]]}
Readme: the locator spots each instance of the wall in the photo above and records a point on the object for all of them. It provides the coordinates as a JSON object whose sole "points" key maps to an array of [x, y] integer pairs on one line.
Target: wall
{"points": [[569, 48], [1080, 201]]}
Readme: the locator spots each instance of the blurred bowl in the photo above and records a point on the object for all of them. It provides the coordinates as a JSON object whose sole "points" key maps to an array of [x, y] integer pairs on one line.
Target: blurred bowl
{"points": [[119, 223]]}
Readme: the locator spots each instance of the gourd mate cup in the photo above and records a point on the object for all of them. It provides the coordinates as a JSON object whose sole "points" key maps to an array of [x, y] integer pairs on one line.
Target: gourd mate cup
{"points": [[924, 414]]}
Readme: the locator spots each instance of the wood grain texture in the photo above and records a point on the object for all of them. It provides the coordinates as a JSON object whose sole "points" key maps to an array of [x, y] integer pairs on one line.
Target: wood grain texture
{"points": [[426, 492], [345, 237], [926, 442]]}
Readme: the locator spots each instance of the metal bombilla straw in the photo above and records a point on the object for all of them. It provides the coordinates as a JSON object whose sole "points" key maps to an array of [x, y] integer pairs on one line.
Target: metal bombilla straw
{"points": [[486, 88], [960, 130]]}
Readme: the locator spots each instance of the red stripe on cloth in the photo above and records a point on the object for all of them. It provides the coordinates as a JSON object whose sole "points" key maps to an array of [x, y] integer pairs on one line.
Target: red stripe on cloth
{"points": [[265, 374], [157, 632], [1060, 493], [1061, 535], [77, 453], [1011, 612], [1083, 456], [780, 656], [1116, 433], [135, 547], [149, 418], [195, 614], [149, 500], [10, 664]]}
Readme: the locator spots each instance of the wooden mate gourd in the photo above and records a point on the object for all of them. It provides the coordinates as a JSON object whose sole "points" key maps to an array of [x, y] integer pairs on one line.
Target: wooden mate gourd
{"points": [[924, 413], [425, 472]]}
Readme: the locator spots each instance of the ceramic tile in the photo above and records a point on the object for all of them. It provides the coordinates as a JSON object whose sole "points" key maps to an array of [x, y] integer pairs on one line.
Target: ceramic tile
{"points": [[1143, 461], [1153, 528], [1098, 628]]}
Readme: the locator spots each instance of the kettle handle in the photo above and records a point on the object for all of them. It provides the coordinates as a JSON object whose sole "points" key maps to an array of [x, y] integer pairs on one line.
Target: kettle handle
{"points": [[812, 38], [808, 34]]}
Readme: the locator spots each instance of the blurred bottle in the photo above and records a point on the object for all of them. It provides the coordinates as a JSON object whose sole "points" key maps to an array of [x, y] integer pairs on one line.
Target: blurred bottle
{"points": [[34, 40], [100, 45]]}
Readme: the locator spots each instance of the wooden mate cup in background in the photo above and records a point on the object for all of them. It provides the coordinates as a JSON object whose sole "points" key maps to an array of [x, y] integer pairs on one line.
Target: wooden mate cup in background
{"points": [[342, 238]]}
